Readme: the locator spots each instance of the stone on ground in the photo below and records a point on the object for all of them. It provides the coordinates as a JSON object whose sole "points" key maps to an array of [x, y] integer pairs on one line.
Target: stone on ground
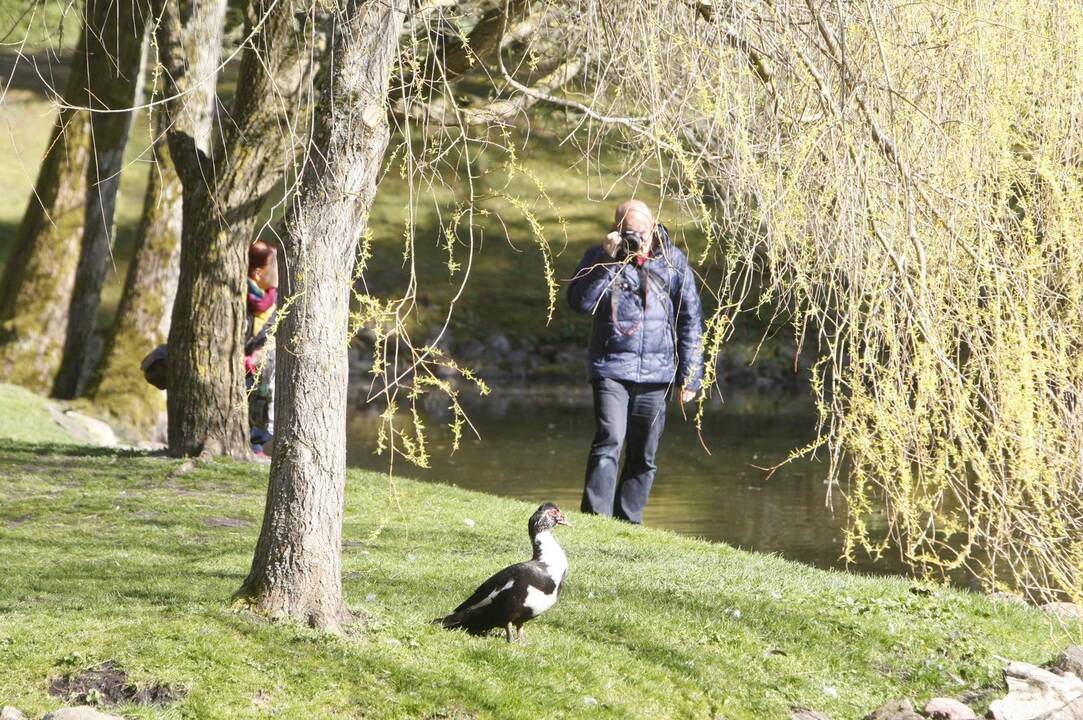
{"points": [[1070, 661], [10, 713], [1064, 610], [83, 712], [88, 429], [1037, 693], [800, 713], [948, 709], [895, 710]]}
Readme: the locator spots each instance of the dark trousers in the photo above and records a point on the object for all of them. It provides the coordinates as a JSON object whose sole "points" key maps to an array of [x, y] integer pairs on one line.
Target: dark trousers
{"points": [[624, 412]]}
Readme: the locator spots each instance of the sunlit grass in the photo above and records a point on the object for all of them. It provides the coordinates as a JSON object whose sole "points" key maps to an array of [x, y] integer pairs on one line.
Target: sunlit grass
{"points": [[507, 291], [26, 122], [113, 556], [25, 416]]}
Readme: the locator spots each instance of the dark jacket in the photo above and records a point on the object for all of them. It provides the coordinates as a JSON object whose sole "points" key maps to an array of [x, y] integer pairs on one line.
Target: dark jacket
{"points": [[659, 344]]}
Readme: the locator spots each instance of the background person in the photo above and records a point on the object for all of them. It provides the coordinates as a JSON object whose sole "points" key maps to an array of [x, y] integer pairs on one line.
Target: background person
{"points": [[259, 365], [646, 338]]}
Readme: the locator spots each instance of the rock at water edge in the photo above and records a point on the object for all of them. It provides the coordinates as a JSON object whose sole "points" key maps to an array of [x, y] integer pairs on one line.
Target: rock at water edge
{"points": [[800, 713], [83, 712], [895, 710], [1063, 610], [948, 709], [1070, 661], [93, 430], [1033, 692]]}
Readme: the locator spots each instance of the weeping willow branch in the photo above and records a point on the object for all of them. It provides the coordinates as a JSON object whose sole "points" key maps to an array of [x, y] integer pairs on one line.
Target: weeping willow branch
{"points": [[497, 112], [919, 221]]}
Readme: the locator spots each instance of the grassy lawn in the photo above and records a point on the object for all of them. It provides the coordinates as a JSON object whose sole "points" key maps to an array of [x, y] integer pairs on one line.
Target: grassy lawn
{"points": [[507, 290], [570, 199], [552, 188], [113, 556], [25, 417]]}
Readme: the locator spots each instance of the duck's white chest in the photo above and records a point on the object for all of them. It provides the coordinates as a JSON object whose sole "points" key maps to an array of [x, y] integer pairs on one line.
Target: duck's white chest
{"points": [[550, 553], [556, 565]]}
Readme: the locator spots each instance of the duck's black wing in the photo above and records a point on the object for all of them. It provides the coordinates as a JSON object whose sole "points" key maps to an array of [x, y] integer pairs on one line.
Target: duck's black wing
{"points": [[501, 599], [491, 587]]}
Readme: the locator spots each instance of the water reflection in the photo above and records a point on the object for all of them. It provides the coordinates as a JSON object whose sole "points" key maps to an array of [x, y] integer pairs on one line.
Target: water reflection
{"points": [[533, 446]]}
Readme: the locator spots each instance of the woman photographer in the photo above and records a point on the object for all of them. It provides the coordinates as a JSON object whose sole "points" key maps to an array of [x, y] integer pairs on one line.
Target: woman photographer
{"points": [[645, 340]]}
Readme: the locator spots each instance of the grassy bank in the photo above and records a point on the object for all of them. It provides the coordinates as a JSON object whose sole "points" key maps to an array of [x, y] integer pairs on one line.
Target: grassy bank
{"points": [[112, 556], [508, 292], [550, 187]]}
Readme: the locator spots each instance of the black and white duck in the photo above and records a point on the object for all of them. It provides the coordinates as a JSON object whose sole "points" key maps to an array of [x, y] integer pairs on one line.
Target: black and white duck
{"points": [[522, 591]]}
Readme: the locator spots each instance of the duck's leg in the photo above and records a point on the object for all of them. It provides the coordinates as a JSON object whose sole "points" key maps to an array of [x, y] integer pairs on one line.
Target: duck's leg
{"points": [[508, 631], [520, 636]]}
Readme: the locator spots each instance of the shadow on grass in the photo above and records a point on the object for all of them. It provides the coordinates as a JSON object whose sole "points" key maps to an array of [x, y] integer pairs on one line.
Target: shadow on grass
{"points": [[65, 450], [7, 237], [39, 73]]}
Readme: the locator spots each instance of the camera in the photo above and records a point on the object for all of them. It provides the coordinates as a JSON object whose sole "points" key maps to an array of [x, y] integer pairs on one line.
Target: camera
{"points": [[631, 241]]}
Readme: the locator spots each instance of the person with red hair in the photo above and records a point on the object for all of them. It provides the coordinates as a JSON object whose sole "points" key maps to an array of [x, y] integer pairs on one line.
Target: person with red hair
{"points": [[262, 297]]}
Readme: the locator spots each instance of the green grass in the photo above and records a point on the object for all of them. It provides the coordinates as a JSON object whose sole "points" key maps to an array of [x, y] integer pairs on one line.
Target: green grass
{"points": [[26, 417], [507, 292], [114, 556], [38, 25]]}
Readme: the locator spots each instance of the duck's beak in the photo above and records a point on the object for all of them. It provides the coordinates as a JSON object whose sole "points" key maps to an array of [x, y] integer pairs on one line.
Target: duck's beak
{"points": [[561, 520]]}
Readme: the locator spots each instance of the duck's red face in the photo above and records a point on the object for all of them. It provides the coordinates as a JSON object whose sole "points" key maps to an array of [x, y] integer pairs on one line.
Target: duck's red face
{"points": [[558, 517], [545, 518]]}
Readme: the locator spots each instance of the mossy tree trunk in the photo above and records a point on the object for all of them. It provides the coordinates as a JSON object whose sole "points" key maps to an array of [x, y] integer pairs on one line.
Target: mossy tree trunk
{"points": [[296, 569], [115, 58], [142, 321], [223, 193], [40, 273]]}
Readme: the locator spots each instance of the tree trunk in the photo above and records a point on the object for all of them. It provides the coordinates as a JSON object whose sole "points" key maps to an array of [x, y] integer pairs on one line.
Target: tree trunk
{"points": [[115, 65], [40, 273], [115, 70], [296, 569], [208, 413], [223, 193], [142, 321]]}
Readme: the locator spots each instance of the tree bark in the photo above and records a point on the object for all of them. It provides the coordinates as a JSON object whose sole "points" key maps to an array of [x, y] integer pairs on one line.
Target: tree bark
{"points": [[142, 321], [115, 61], [223, 193], [296, 569], [40, 273]]}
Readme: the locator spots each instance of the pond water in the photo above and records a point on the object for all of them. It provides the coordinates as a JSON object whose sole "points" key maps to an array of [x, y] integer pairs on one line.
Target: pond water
{"points": [[533, 446]]}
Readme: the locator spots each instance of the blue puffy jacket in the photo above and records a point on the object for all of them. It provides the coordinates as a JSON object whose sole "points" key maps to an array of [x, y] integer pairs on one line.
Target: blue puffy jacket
{"points": [[651, 337]]}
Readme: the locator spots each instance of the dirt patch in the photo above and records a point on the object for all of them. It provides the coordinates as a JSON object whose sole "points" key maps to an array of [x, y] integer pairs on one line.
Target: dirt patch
{"points": [[16, 522], [455, 712], [184, 468], [108, 684], [227, 522]]}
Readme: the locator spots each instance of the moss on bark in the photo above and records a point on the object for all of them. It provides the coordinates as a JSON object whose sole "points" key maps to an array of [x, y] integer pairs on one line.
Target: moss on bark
{"points": [[142, 321], [39, 280], [114, 59], [40, 273]]}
